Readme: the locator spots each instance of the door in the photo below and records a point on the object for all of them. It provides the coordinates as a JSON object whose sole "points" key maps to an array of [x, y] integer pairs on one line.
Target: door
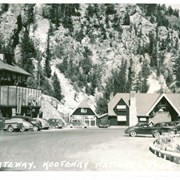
{"points": [[144, 129]]}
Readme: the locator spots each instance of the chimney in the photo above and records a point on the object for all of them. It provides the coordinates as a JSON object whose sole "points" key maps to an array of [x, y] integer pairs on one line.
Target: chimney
{"points": [[1, 57], [111, 95], [133, 109]]}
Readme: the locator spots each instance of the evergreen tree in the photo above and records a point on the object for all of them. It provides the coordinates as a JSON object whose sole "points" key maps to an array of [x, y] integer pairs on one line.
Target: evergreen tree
{"points": [[57, 87], [110, 9], [126, 19], [48, 56], [101, 107], [119, 78], [177, 70], [170, 10], [131, 75], [117, 83], [27, 53], [153, 49], [143, 77]]}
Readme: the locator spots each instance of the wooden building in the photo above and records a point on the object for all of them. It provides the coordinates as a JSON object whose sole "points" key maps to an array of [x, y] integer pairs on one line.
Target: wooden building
{"points": [[85, 114], [15, 97], [130, 108]]}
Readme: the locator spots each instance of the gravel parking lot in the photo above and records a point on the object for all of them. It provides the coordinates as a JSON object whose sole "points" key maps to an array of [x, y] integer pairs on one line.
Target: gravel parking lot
{"points": [[79, 150]]}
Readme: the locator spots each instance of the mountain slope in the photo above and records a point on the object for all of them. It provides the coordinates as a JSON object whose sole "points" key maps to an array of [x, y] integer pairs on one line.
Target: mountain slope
{"points": [[95, 49]]}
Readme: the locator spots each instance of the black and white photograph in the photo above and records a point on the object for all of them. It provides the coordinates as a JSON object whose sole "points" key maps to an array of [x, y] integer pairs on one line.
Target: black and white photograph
{"points": [[90, 87]]}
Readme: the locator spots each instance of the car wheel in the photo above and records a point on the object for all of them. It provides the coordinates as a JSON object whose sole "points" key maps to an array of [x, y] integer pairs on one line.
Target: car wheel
{"points": [[156, 134], [22, 129], [10, 129], [132, 133], [35, 128]]}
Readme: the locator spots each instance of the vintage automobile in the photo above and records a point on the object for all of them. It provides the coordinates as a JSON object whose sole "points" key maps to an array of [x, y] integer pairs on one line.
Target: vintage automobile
{"points": [[55, 123], [43, 122], [10, 125], [78, 124], [103, 125], [176, 124], [150, 129], [36, 125], [68, 125], [24, 124]]}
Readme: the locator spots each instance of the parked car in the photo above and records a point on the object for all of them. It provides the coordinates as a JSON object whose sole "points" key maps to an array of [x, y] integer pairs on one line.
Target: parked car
{"points": [[55, 123], [78, 123], [36, 124], [24, 124], [152, 129], [68, 125], [176, 124], [10, 125], [103, 125], [43, 122]]}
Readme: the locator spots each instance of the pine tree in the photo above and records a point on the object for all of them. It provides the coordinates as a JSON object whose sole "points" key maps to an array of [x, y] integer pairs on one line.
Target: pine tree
{"points": [[27, 53], [131, 75], [144, 77], [57, 87], [48, 56], [101, 107], [126, 19], [177, 70]]}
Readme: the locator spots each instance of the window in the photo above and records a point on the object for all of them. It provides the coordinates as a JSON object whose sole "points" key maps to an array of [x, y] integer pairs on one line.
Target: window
{"points": [[121, 118], [142, 119], [121, 107], [76, 117], [83, 110], [89, 117]]}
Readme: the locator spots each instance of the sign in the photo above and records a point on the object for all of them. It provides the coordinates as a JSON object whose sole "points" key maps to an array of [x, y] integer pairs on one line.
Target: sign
{"points": [[121, 118], [19, 104]]}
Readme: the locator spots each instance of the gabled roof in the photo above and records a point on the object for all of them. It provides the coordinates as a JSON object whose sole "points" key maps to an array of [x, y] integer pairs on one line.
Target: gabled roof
{"points": [[84, 104], [103, 115], [112, 103], [145, 102], [173, 100], [12, 68]]}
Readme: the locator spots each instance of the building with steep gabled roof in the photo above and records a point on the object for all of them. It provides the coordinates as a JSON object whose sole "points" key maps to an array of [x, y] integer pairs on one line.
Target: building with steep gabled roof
{"points": [[15, 96], [85, 113], [131, 108]]}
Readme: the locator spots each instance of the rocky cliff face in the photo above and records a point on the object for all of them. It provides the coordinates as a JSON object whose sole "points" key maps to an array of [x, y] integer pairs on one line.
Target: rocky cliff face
{"points": [[88, 42]]}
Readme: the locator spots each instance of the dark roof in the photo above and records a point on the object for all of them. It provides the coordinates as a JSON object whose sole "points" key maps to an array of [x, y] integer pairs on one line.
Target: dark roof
{"points": [[103, 115], [113, 102], [144, 102], [84, 104], [12, 68]]}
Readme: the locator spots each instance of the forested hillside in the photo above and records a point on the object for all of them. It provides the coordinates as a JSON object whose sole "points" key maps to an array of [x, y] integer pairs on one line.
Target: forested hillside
{"points": [[75, 51]]}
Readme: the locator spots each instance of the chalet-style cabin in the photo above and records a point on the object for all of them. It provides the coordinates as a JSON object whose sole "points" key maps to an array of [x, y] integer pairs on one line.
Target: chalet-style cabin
{"points": [[15, 97], [130, 108], [85, 114]]}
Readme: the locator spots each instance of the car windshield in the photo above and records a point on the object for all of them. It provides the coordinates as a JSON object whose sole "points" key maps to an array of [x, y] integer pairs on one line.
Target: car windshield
{"points": [[141, 124]]}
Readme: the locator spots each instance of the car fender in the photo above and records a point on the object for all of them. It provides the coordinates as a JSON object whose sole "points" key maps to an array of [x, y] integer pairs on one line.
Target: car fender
{"points": [[157, 130]]}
